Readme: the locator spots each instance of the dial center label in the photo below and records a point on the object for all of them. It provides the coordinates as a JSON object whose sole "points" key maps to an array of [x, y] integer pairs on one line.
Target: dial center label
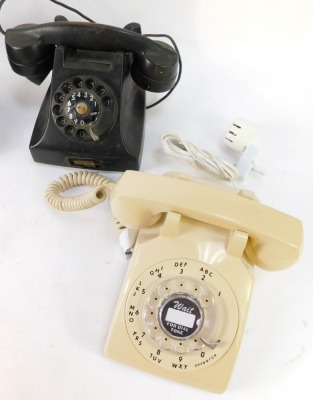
{"points": [[181, 316]]}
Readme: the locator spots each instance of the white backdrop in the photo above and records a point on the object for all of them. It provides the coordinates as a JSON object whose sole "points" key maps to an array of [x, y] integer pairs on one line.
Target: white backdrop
{"points": [[60, 274]]}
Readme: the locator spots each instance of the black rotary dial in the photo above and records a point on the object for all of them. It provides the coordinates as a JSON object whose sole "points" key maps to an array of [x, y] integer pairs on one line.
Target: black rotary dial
{"points": [[82, 108]]}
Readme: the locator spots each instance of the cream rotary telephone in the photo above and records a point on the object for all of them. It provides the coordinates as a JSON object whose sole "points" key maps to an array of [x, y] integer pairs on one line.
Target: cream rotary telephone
{"points": [[183, 306]]}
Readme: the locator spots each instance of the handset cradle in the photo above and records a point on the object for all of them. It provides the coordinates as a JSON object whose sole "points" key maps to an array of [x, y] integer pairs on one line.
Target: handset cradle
{"points": [[274, 237]]}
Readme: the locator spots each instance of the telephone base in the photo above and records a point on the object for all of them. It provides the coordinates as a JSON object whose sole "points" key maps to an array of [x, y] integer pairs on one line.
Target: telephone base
{"points": [[183, 307], [92, 115]]}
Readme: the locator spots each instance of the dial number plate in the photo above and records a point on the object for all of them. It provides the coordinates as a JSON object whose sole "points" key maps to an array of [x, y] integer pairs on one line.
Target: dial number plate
{"points": [[181, 314], [83, 108]]}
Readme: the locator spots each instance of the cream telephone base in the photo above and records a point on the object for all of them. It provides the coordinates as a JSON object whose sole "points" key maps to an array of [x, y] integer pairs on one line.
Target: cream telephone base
{"points": [[184, 302]]}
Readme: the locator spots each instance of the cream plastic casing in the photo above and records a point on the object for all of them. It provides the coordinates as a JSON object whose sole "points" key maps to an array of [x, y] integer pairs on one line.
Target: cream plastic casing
{"points": [[184, 303]]}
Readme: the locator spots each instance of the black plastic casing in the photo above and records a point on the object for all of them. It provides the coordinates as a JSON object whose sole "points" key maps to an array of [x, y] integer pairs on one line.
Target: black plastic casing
{"points": [[120, 143]]}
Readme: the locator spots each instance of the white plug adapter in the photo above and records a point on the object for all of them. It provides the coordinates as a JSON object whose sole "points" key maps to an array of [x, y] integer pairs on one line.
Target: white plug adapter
{"points": [[240, 134], [239, 138]]}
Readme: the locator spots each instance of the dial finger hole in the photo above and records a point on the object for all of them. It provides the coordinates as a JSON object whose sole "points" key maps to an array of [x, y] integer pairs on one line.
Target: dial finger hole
{"points": [[61, 121], [59, 97], [195, 290], [78, 82], [165, 290], [66, 87], [182, 347], [206, 301], [90, 83], [155, 332], [106, 101], [57, 109], [81, 134], [178, 285], [154, 301], [150, 317], [101, 91], [70, 130], [167, 343], [196, 344]]}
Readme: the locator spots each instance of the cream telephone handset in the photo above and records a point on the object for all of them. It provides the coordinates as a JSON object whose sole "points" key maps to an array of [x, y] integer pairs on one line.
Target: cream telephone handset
{"points": [[184, 303]]}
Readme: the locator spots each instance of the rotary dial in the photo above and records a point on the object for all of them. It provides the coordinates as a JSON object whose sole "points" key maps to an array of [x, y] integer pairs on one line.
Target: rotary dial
{"points": [[83, 108], [181, 314]]}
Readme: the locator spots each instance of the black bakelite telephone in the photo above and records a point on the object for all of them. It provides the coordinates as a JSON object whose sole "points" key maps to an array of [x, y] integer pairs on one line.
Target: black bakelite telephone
{"points": [[93, 113]]}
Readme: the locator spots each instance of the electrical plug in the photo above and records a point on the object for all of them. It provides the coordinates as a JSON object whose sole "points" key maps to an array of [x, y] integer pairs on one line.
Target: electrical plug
{"points": [[239, 138]]}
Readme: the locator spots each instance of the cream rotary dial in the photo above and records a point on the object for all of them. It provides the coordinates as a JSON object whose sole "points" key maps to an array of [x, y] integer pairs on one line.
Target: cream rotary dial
{"points": [[181, 314]]}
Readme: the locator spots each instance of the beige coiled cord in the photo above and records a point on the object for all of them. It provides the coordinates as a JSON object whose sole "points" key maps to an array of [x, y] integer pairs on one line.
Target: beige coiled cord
{"points": [[103, 188]]}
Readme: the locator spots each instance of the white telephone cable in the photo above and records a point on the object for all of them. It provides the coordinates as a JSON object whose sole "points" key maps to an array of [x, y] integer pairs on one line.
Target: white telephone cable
{"points": [[174, 145]]}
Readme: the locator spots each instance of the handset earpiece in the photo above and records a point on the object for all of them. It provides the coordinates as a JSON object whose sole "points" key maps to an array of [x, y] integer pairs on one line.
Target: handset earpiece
{"points": [[27, 55], [156, 69], [30, 50]]}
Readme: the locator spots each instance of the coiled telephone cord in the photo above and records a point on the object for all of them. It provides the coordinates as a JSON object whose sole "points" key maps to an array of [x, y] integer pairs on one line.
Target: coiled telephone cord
{"points": [[102, 188]]}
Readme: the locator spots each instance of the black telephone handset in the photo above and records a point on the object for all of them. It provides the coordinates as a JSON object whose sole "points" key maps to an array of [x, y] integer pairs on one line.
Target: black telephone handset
{"points": [[93, 114], [31, 48]]}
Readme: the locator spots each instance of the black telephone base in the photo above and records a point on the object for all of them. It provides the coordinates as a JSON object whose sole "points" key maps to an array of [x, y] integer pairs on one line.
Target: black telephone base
{"points": [[93, 113]]}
